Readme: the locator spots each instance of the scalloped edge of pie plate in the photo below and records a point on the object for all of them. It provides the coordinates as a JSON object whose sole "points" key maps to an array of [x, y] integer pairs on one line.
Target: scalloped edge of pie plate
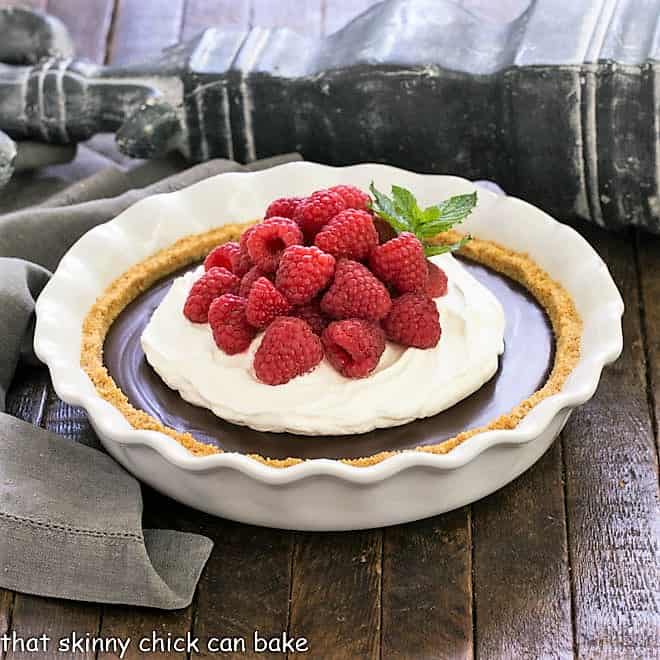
{"points": [[322, 494]]}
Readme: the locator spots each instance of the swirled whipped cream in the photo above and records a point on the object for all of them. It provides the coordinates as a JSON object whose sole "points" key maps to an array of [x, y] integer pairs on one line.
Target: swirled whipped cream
{"points": [[407, 384]]}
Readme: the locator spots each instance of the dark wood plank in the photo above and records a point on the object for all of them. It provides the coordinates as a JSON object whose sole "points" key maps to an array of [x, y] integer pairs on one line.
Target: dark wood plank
{"points": [[245, 586], [612, 491], [336, 13], [26, 398], [69, 421], [154, 626], [6, 608], [301, 16], [34, 616], [336, 593], [427, 588], [521, 571], [88, 22], [648, 248], [142, 28], [139, 623], [200, 14]]}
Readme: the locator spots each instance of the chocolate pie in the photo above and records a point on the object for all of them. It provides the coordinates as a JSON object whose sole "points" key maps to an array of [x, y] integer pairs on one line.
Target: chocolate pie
{"points": [[371, 390]]}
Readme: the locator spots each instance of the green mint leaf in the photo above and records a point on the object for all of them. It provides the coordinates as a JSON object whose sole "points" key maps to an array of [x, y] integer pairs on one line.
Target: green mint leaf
{"points": [[406, 204], [430, 214], [434, 250], [431, 229], [403, 213], [385, 208], [455, 209]]}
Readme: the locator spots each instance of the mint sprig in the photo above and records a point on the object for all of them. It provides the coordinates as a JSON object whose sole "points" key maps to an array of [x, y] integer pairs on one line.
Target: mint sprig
{"points": [[402, 212]]}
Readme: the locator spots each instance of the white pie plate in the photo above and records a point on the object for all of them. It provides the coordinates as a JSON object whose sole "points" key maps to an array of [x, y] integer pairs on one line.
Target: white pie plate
{"points": [[322, 494]]}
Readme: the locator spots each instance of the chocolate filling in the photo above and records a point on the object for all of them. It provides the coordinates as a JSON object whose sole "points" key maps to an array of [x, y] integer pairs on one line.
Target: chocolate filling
{"points": [[524, 367]]}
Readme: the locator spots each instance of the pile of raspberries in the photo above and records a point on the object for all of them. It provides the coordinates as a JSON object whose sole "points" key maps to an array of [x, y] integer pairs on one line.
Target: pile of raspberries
{"points": [[321, 275]]}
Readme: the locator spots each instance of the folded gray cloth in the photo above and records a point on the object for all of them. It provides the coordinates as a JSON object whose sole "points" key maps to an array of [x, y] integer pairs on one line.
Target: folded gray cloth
{"points": [[70, 517]]}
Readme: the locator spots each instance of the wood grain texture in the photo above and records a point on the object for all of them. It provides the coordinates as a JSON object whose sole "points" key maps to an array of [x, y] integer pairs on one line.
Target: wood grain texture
{"points": [[612, 492], [151, 627], [34, 616], [88, 22], [26, 398], [200, 14], [69, 421], [648, 249], [6, 610], [245, 586], [142, 28], [427, 588], [300, 16], [336, 593], [521, 572]]}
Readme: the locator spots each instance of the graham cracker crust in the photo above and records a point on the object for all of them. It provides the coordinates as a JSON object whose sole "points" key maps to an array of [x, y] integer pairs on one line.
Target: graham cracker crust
{"points": [[558, 304]]}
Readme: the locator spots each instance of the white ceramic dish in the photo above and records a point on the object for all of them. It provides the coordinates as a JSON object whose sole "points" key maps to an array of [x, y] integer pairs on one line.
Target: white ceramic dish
{"points": [[322, 494]]}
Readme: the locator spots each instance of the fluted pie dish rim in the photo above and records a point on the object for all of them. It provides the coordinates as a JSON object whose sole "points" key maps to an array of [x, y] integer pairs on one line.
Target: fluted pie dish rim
{"points": [[106, 252]]}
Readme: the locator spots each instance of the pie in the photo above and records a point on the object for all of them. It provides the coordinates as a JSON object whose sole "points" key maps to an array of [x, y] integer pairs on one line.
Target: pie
{"points": [[341, 326]]}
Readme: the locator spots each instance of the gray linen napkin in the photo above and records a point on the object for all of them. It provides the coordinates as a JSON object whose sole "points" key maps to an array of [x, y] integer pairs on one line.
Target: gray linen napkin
{"points": [[70, 517]]}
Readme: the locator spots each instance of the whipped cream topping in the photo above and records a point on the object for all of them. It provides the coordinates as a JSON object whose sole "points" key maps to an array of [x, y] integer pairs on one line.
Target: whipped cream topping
{"points": [[408, 383]]}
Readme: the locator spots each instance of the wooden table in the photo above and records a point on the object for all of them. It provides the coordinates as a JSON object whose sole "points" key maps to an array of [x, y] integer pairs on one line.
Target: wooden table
{"points": [[560, 563]]}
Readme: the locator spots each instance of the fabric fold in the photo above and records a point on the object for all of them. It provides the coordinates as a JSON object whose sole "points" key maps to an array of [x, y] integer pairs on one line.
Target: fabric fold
{"points": [[70, 521]]}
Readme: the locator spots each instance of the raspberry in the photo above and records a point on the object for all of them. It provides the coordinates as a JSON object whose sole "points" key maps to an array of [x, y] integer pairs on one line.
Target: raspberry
{"points": [[355, 293], [311, 313], [436, 285], [284, 207], [303, 272], [413, 321], [231, 331], [265, 303], [315, 211], [353, 197], [223, 256], [384, 229], [353, 347], [244, 261], [401, 263], [269, 239], [349, 234], [250, 278], [288, 349], [205, 290]]}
